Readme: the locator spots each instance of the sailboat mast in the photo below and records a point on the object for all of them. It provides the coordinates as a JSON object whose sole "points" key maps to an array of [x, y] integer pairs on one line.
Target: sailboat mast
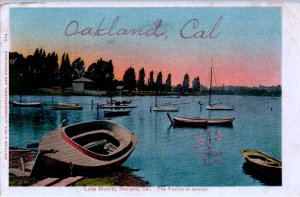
{"points": [[111, 94], [210, 84], [156, 92]]}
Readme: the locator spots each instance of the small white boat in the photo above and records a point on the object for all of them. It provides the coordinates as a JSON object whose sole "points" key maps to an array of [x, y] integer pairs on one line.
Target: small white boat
{"points": [[172, 96], [219, 107], [69, 104], [34, 104], [164, 109]]}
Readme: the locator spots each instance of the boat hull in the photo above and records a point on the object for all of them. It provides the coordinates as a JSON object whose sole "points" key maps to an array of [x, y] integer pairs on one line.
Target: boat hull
{"points": [[66, 107], [219, 107], [180, 122], [17, 104], [104, 106], [118, 101], [183, 121], [262, 162], [171, 96], [116, 113], [164, 109]]}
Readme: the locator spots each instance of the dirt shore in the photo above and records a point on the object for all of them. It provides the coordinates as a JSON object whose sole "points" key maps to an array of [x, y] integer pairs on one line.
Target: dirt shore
{"points": [[119, 176]]}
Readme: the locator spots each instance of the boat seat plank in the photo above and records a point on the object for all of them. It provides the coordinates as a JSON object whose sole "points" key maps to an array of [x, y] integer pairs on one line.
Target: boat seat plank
{"points": [[29, 165], [17, 172], [46, 182], [68, 181]]}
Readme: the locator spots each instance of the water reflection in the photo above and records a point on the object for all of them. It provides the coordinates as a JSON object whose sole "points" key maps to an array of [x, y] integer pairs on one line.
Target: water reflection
{"points": [[263, 177], [207, 154]]}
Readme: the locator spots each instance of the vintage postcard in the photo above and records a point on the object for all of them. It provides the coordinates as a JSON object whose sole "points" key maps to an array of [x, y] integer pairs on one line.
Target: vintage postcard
{"points": [[150, 98]]}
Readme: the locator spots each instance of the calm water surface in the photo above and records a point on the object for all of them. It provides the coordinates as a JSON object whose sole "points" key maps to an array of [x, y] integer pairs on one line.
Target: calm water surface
{"points": [[168, 156]]}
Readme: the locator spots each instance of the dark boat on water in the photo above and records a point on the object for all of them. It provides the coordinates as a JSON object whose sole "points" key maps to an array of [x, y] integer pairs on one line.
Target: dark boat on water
{"points": [[115, 106], [116, 113], [84, 148], [108, 101], [68, 106], [262, 162], [172, 96], [199, 122], [33, 104]]}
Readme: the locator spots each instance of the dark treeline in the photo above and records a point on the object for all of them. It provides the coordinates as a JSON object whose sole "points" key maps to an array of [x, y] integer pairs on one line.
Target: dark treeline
{"points": [[43, 70]]}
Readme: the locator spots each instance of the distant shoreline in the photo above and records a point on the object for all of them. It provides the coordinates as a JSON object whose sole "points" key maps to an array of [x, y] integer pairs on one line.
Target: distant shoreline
{"points": [[273, 91], [72, 93]]}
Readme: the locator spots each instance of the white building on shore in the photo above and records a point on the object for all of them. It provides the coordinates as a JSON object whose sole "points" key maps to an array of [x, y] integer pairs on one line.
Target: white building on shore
{"points": [[79, 85]]}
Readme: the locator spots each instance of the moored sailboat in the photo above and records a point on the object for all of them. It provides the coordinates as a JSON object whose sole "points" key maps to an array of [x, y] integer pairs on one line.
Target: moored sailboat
{"points": [[158, 108], [199, 122], [211, 106]]}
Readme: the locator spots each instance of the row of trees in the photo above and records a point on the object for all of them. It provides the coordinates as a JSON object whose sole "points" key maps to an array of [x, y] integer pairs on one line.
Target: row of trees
{"points": [[42, 70], [131, 83]]}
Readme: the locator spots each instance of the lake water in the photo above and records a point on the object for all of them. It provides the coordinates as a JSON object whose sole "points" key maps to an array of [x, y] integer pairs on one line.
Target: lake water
{"points": [[168, 156]]}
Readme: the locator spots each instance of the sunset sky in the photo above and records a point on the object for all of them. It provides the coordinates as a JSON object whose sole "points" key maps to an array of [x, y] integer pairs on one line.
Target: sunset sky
{"points": [[246, 43]]}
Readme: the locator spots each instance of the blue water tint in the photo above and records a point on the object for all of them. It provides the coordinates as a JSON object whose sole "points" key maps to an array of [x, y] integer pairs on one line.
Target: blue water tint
{"points": [[168, 156]]}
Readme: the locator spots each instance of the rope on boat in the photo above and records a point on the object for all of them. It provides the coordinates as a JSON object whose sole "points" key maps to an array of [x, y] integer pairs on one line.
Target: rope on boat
{"points": [[171, 120], [63, 123], [71, 168]]}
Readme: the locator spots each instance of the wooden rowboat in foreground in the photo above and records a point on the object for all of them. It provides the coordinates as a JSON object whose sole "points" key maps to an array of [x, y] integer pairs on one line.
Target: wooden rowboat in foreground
{"points": [[199, 122], [84, 148], [262, 162]]}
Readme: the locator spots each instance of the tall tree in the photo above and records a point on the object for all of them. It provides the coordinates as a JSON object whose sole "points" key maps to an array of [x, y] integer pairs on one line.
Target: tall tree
{"points": [[141, 80], [186, 83], [151, 85], [50, 72], [129, 79], [65, 72], [17, 73], [159, 84], [169, 83], [77, 68], [196, 84], [102, 73]]}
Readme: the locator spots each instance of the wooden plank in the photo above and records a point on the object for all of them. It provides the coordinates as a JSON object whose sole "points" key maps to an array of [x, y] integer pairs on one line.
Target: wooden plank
{"points": [[29, 165], [22, 164], [46, 182], [68, 181], [17, 172]]}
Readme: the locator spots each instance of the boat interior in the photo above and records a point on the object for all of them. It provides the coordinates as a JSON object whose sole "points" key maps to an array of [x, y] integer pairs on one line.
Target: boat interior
{"points": [[263, 160], [97, 142]]}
